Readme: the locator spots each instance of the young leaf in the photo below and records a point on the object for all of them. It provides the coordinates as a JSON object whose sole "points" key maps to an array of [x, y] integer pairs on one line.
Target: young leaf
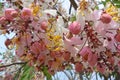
{"points": [[28, 73], [45, 71]]}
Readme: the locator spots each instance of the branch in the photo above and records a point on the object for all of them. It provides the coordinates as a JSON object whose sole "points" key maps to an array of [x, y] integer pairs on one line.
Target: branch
{"points": [[70, 8], [17, 63], [74, 4]]}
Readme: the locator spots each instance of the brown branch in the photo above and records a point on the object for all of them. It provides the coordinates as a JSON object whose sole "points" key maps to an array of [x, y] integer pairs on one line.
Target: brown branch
{"points": [[74, 4], [70, 8], [17, 63]]}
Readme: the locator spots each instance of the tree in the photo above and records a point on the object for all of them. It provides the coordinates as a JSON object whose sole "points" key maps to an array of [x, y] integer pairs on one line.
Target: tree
{"points": [[47, 40]]}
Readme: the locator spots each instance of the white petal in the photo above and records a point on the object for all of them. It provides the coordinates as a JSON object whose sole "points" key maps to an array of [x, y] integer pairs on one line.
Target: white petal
{"points": [[61, 26], [51, 12]]}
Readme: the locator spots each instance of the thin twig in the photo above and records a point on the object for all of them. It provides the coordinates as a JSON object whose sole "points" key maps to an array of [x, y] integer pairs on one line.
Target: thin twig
{"points": [[70, 8], [17, 76], [17, 63], [58, 12], [74, 4], [81, 76]]}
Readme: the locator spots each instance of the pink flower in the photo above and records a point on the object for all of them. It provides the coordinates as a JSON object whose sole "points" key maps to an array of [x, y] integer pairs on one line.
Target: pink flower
{"points": [[93, 59], [2, 20], [78, 67], [75, 40], [36, 48], [117, 37], [44, 25], [26, 13], [26, 39], [41, 58], [9, 13], [109, 41], [106, 18], [111, 60], [20, 51], [66, 56], [118, 47], [74, 27], [86, 53], [101, 68], [8, 76], [103, 22], [14, 14], [69, 46], [56, 54]]}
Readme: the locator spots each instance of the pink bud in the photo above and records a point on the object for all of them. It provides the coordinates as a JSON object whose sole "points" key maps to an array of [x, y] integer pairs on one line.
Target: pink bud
{"points": [[26, 13], [117, 37], [41, 58], [66, 56], [44, 25], [118, 47], [106, 18], [101, 68], [74, 27], [78, 67], [14, 14], [8, 14], [2, 20]]}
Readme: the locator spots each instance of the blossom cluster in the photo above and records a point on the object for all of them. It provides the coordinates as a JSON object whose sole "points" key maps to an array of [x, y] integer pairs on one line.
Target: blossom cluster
{"points": [[42, 38]]}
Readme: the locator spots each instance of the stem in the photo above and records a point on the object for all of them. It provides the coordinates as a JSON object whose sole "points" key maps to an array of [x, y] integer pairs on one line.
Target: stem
{"points": [[58, 12], [74, 4], [80, 76], [105, 78], [17, 63], [96, 76], [70, 9], [17, 76]]}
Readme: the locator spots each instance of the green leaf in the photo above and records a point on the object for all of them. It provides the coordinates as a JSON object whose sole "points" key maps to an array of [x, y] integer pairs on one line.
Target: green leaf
{"points": [[118, 6], [45, 71], [116, 3], [73, 18], [0, 5], [107, 0], [96, 7], [28, 73]]}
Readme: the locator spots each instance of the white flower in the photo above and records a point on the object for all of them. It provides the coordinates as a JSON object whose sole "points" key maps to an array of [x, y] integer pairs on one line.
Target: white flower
{"points": [[51, 12]]}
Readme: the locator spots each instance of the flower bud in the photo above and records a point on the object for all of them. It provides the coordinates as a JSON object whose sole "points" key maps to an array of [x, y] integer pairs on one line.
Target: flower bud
{"points": [[106, 18], [44, 25], [26, 13], [8, 13], [14, 14], [74, 27], [117, 37], [2, 20], [78, 67]]}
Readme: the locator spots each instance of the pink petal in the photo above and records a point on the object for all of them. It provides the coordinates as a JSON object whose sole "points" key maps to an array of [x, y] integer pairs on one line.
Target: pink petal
{"points": [[76, 40], [93, 60]]}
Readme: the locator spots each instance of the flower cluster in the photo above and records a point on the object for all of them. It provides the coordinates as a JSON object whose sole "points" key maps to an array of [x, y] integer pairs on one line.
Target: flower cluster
{"points": [[91, 42]]}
